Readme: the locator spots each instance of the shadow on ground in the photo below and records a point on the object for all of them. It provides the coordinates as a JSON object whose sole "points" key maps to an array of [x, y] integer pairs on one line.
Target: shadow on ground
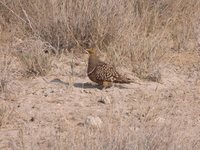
{"points": [[92, 86], [78, 85], [85, 85]]}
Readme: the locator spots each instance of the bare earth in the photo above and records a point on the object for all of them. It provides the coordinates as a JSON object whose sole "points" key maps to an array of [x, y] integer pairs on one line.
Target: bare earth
{"points": [[64, 110]]}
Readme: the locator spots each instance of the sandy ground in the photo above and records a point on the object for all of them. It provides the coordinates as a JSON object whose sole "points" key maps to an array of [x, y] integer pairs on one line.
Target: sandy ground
{"points": [[52, 112]]}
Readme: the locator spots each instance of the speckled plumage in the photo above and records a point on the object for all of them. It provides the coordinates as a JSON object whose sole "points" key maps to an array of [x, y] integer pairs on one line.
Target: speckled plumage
{"points": [[101, 72]]}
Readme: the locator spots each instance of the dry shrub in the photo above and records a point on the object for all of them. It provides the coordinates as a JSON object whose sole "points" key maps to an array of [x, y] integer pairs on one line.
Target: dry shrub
{"points": [[5, 70], [2, 113], [10, 71], [5, 113], [1, 116], [34, 56], [134, 33]]}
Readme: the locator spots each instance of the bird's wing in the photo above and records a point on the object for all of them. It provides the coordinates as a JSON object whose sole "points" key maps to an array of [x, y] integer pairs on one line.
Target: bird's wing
{"points": [[106, 72]]}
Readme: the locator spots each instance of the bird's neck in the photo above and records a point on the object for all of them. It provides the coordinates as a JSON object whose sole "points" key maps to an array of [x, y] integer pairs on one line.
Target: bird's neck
{"points": [[93, 60]]}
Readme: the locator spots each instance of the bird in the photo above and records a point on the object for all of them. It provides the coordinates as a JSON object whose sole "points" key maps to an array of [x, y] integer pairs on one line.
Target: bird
{"points": [[103, 73]]}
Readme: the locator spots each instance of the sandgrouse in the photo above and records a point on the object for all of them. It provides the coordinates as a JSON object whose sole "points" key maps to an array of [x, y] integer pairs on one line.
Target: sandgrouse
{"points": [[101, 72]]}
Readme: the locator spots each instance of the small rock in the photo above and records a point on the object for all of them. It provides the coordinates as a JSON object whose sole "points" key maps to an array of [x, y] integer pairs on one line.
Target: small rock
{"points": [[63, 124], [52, 91], [160, 120], [155, 76], [94, 122], [32, 119], [87, 91], [104, 100], [133, 128], [80, 124]]}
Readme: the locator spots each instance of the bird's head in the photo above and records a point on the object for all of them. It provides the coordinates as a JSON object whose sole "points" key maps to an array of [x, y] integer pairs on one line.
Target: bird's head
{"points": [[91, 51]]}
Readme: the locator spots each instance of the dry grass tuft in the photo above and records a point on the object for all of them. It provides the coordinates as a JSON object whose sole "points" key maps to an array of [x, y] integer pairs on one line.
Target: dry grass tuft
{"points": [[5, 113], [2, 116], [34, 56], [5, 70]]}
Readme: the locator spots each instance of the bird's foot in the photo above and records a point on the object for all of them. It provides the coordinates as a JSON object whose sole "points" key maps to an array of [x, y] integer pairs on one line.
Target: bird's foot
{"points": [[107, 84]]}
